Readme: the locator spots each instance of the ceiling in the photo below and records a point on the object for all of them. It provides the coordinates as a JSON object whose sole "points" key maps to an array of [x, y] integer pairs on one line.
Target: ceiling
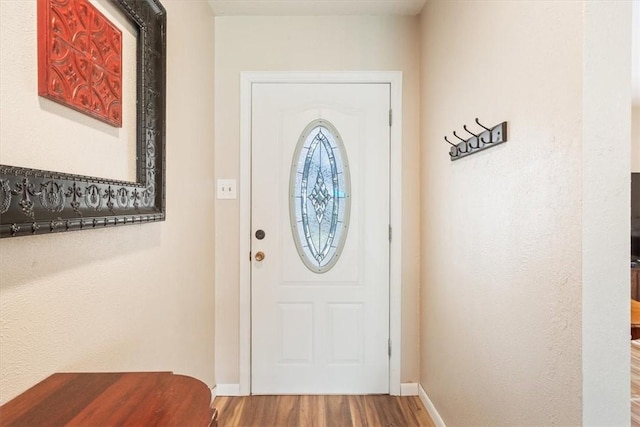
{"points": [[316, 7]]}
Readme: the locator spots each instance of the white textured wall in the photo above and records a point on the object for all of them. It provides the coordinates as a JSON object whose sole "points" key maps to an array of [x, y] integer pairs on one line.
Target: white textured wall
{"points": [[606, 96], [635, 53], [501, 240], [635, 139], [139, 297], [311, 44]]}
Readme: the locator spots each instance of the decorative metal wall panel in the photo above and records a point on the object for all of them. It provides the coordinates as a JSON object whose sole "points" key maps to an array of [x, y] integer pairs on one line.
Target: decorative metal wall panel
{"points": [[37, 202], [80, 59], [319, 196]]}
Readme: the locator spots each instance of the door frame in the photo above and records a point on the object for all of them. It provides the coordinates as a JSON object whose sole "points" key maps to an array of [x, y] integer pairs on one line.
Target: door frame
{"points": [[394, 79]]}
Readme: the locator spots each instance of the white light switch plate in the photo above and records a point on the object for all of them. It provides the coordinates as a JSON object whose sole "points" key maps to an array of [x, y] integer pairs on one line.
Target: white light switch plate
{"points": [[226, 189]]}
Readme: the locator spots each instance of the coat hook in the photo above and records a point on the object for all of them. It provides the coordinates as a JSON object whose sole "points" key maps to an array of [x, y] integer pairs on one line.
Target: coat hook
{"points": [[462, 144], [468, 131], [479, 124], [446, 139], [488, 130], [476, 138], [456, 135]]}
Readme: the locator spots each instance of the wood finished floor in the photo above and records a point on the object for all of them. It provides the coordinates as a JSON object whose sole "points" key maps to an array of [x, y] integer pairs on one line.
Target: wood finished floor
{"points": [[321, 411]]}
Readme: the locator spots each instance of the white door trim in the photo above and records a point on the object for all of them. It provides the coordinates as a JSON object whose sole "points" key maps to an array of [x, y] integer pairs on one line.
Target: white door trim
{"points": [[247, 79]]}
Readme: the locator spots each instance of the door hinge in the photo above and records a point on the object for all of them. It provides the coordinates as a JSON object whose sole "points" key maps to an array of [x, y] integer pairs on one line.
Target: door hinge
{"points": [[390, 233], [389, 347], [390, 117]]}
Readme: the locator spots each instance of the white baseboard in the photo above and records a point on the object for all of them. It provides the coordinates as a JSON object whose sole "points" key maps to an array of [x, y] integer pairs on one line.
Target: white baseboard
{"points": [[214, 393], [409, 389], [431, 409], [228, 390]]}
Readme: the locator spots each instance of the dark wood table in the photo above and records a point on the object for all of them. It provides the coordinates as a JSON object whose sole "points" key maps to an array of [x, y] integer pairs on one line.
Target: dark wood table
{"points": [[112, 399]]}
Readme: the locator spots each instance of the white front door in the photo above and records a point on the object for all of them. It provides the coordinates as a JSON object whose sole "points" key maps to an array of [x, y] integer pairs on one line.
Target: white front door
{"points": [[320, 285]]}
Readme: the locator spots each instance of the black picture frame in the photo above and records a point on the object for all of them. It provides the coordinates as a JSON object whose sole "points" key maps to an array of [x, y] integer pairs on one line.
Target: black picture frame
{"points": [[36, 201]]}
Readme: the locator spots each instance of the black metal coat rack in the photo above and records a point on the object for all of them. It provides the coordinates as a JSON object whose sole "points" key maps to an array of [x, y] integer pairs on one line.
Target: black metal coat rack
{"points": [[489, 137]]}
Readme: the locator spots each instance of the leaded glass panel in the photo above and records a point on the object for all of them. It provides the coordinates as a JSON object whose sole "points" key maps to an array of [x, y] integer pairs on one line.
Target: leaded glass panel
{"points": [[319, 196]]}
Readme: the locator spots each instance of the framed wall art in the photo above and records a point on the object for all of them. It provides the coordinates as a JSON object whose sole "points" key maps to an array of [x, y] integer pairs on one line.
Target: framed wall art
{"points": [[34, 201]]}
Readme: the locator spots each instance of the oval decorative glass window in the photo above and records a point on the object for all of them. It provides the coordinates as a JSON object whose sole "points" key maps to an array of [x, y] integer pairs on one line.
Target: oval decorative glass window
{"points": [[319, 196]]}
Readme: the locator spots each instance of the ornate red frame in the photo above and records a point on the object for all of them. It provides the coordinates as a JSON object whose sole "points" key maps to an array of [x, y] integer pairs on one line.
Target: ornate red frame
{"points": [[80, 59]]}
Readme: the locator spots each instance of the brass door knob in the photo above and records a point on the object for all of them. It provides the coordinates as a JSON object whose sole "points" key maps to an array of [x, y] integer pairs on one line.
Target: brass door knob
{"points": [[259, 256]]}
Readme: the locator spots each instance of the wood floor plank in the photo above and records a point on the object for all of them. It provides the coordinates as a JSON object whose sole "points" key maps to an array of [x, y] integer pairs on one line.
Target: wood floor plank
{"points": [[322, 411], [388, 410], [286, 410], [358, 411], [415, 413], [262, 412], [337, 411], [311, 412], [371, 412], [231, 407]]}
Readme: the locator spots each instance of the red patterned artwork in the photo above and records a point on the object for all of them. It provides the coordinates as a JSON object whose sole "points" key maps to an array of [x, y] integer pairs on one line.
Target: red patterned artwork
{"points": [[80, 59]]}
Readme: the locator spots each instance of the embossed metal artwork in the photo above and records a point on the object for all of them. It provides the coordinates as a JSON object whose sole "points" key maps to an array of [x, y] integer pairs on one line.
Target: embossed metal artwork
{"points": [[319, 196], [80, 59], [36, 201]]}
